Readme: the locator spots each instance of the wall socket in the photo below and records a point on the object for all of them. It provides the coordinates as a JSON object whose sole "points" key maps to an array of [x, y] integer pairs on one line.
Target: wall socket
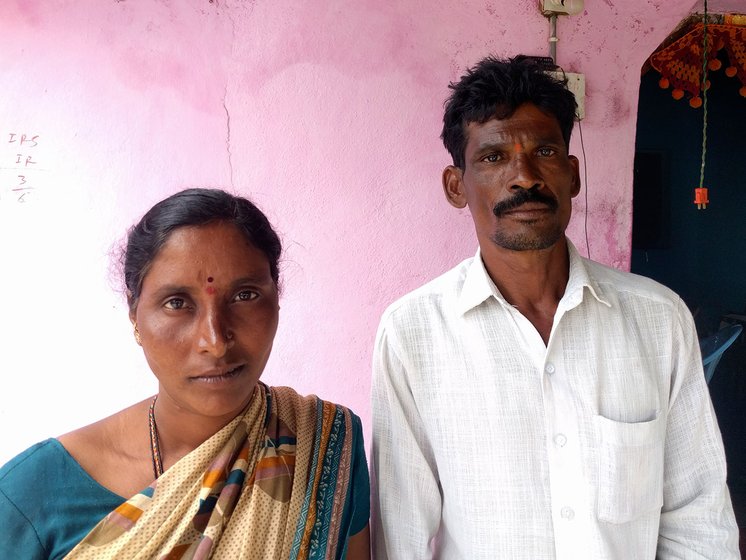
{"points": [[567, 7], [576, 84]]}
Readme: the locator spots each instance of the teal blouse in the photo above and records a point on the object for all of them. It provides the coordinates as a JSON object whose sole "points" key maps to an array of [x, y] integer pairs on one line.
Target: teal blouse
{"points": [[48, 503]]}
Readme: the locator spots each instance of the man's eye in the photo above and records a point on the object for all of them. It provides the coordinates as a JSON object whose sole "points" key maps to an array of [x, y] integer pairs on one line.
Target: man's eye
{"points": [[545, 152], [246, 295], [175, 303], [491, 158]]}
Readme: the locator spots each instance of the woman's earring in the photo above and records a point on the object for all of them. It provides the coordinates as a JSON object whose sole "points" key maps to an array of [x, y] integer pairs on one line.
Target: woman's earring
{"points": [[138, 339]]}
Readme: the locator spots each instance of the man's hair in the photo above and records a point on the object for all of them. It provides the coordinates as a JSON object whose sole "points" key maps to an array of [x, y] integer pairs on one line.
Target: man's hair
{"points": [[495, 88]]}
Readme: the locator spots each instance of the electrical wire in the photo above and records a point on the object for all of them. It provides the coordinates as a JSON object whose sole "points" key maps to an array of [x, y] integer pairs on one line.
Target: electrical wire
{"points": [[585, 184]]}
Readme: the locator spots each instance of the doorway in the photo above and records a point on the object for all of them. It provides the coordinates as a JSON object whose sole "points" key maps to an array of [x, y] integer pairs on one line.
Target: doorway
{"points": [[699, 253]]}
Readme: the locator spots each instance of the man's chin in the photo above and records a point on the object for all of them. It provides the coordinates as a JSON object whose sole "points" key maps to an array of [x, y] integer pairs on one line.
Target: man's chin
{"points": [[525, 242]]}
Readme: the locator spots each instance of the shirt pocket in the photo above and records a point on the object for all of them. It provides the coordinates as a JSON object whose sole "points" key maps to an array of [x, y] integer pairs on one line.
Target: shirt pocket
{"points": [[630, 468]]}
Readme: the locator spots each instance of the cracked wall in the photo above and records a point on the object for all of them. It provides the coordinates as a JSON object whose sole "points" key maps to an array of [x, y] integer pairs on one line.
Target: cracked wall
{"points": [[327, 115]]}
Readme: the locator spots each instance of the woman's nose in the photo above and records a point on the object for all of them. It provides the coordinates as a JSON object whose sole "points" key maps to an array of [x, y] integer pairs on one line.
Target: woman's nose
{"points": [[215, 335]]}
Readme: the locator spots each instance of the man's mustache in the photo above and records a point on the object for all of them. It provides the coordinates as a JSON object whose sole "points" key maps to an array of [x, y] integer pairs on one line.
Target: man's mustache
{"points": [[522, 197]]}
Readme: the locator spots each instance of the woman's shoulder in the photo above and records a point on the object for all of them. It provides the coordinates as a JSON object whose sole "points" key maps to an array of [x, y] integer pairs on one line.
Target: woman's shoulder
{"points": [[44, 471], [112, 446], [111, 431], [28, 462], [48, 502], [23, 472], [88, 442], [292, 405], [290, 397]]}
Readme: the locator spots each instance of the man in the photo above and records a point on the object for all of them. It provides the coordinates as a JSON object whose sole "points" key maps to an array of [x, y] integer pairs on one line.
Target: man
{"points": [[530, 403]]}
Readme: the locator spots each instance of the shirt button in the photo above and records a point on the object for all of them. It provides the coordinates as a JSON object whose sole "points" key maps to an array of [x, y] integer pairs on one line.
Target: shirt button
{"points": [[549, 368], [560, 440], [567, 513]]}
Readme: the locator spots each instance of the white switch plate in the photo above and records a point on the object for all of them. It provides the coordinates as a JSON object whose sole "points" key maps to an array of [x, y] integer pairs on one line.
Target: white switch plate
{"points": [[569, 7]]}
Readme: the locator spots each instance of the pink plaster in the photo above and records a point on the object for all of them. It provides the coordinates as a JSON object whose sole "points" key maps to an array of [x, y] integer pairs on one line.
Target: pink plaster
{"points": [[723, 6], [327, 113]]}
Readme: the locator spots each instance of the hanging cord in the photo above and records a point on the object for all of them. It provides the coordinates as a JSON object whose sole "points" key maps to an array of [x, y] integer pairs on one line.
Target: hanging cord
{"points": [[704, 98], [585, 188]]}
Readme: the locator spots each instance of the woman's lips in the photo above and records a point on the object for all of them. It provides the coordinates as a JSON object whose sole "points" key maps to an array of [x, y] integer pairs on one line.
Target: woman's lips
{"points": [[218, 375]]}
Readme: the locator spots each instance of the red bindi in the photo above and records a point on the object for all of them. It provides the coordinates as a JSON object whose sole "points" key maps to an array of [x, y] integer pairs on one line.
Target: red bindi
{"points": [[209, 278]]}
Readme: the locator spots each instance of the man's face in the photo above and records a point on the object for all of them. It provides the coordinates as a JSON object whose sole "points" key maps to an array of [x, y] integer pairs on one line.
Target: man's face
{"points": [[518, 180]]}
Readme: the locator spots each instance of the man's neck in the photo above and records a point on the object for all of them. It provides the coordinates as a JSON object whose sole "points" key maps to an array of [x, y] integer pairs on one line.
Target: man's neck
{"points": [[531, 281]]}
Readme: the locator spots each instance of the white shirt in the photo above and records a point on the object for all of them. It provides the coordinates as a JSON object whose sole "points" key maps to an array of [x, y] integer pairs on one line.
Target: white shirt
{"points": [[600, 445]]}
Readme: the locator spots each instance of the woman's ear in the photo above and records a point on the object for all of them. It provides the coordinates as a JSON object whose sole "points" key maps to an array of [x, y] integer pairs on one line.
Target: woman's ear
{"points": [[132, 307], [453, 186]]}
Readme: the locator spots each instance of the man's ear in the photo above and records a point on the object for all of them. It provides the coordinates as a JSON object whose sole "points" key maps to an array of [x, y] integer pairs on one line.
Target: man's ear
{"points": [[575, 176], [453, 186]]}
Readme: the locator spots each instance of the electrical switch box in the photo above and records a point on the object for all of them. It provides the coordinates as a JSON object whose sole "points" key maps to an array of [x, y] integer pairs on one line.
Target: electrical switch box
{"points": [[567, 7]]}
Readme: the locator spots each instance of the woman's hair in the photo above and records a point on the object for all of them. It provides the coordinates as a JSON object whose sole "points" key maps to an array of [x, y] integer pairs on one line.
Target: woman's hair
{"points": [[495, 88], [194, 207]]}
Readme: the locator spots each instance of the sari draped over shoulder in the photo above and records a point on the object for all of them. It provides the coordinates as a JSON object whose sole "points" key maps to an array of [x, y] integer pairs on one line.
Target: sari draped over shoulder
{"points": [[271, 484]]}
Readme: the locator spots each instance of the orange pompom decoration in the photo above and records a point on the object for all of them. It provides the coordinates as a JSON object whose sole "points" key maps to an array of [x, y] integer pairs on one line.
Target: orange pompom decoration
{"points": [[664, 83], [714, 64], [731, 71], [707, 84], [677, 94], [742, 91], [695, 102]]}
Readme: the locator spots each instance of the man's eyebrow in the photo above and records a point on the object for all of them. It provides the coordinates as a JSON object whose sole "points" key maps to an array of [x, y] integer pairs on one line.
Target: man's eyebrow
{"points": [[492, 144], [532, 142]]}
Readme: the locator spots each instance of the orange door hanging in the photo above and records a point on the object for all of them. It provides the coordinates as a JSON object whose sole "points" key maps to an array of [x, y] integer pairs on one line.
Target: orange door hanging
{"points": [[700, 198], [700, 193]]}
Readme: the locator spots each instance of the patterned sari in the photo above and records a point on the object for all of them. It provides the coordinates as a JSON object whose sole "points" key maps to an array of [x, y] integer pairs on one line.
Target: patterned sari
{"points": [[271, 484]]}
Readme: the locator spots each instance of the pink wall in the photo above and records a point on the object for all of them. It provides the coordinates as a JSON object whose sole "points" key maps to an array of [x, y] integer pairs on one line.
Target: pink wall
{"points": [[325, 112], [722, 6]]}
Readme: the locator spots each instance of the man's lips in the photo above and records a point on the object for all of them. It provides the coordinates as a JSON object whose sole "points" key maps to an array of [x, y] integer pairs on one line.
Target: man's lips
{"points": [[529, 208]]}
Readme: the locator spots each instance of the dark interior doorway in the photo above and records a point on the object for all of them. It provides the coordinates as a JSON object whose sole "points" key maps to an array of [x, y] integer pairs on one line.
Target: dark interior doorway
{"points": [[701, 254]]}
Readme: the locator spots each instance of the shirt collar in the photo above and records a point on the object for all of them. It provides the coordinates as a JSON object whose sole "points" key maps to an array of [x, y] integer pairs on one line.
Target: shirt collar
{"points": [[581, 277], [478, 286]]}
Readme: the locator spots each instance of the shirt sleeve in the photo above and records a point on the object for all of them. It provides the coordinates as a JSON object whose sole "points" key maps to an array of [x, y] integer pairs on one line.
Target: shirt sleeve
{"points": [[18, 538], [360, 481], [407, 500], [697, 518]]}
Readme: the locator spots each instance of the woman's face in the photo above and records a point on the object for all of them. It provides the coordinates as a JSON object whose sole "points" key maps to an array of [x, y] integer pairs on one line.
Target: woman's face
{"points": [[207, 316]]}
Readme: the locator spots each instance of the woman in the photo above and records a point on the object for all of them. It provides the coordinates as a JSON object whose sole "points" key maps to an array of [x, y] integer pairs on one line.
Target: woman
{"points": [[218, 464]]}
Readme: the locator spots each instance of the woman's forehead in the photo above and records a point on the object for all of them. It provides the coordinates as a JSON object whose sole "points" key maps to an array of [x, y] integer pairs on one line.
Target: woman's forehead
{"points": [[207, 251]]}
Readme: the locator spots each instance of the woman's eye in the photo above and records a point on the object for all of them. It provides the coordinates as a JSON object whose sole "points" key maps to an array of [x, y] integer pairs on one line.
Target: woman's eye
{"points": [[175, 303], [246, 295]]}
